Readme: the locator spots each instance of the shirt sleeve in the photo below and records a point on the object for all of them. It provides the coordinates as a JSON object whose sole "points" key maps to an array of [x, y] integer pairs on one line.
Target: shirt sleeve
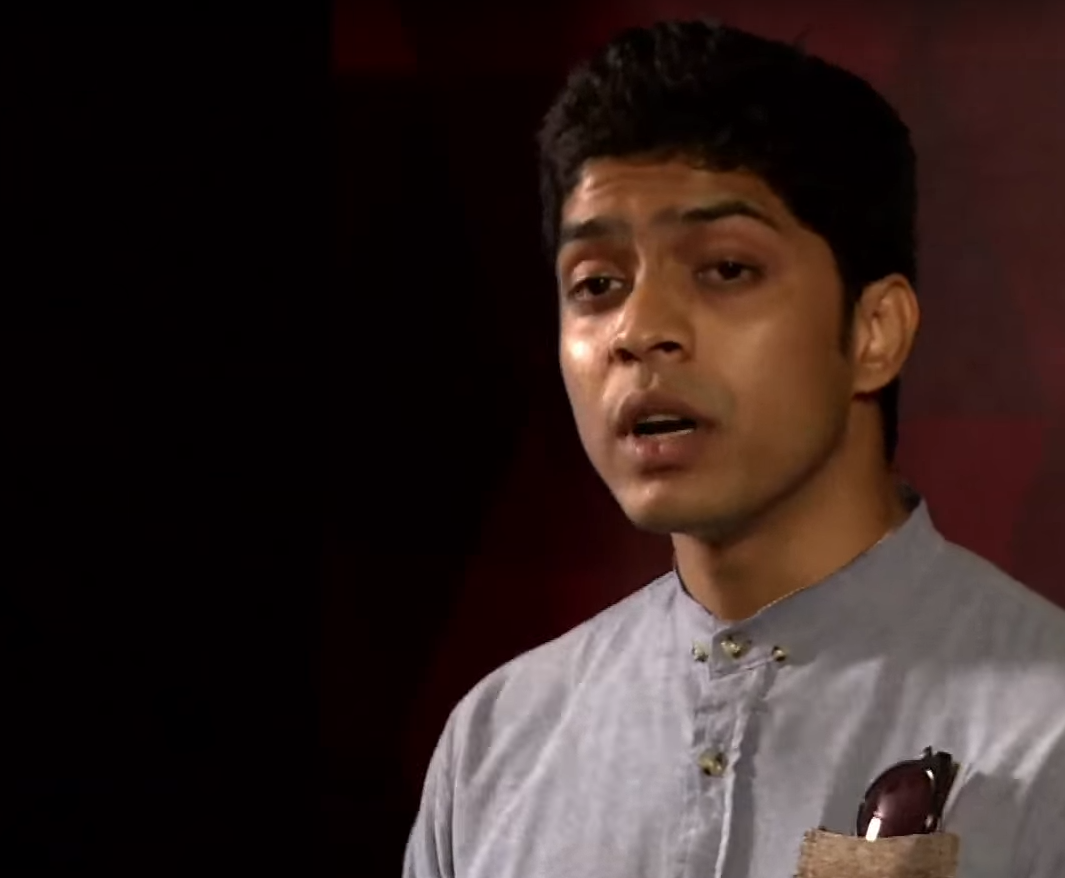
{"points": [[1044, 840], [1048, 854], [1052, 865], [428, 853]]}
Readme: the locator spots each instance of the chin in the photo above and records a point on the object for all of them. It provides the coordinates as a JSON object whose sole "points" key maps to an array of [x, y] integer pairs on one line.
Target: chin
{"points": [[667, 511], [656, 521], [693, 510]]}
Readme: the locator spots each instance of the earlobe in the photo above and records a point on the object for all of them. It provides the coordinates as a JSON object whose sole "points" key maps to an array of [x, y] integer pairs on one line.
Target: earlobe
{"points": [[886, 321]]}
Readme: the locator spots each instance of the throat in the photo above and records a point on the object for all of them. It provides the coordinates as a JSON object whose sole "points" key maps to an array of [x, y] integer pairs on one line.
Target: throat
{"points": [[734, 579]]}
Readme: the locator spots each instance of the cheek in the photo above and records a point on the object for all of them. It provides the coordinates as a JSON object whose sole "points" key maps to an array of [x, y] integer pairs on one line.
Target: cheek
{"points": [[787, 378], [583, 379]]}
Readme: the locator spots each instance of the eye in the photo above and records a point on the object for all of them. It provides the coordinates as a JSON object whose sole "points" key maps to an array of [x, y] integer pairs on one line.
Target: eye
{"points": [[729, 272], [594, 286]]}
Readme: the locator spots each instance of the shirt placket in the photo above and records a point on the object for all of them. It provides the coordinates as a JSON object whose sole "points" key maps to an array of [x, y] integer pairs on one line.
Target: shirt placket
{"points": [[729, 674]]}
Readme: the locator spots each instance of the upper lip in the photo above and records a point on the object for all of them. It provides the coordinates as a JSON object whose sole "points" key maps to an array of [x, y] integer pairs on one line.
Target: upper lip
{"points": [[637, 406]]}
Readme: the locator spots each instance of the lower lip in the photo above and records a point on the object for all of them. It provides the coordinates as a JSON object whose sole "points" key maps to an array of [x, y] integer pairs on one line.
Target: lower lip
{"points": [[665, 450]]}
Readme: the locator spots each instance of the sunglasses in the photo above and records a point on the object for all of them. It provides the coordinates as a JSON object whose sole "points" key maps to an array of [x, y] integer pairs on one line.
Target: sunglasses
{"points": [[908, 798]]}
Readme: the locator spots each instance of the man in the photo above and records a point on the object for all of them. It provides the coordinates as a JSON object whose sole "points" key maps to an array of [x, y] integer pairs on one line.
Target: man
{"points": [[732, 222]]}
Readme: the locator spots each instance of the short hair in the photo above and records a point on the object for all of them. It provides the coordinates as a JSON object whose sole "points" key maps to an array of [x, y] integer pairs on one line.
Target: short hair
{"points": [[822, 138]]}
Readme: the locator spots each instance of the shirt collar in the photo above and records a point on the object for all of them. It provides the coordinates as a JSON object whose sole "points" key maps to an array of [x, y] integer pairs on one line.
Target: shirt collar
{"points": [[874, 592]]}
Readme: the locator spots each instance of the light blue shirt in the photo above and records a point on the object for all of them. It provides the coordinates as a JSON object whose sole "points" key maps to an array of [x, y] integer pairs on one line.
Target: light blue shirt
{"points": [[656, 741]]}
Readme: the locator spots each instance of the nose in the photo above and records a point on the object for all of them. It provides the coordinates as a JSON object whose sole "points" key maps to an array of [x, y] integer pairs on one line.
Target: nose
{"points": [[654, 322]]}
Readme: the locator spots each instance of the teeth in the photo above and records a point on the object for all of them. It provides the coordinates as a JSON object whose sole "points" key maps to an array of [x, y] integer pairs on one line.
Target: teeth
{"points": [[650, 419], [664, 425]]}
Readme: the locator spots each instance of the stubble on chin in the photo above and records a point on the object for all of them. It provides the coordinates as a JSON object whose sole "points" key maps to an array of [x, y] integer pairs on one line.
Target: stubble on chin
{"points": [[714, 523]]}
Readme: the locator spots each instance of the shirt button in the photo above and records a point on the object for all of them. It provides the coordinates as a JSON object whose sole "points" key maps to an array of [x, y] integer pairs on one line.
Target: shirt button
{"points": [[780, 654], [700, 652], [713, 764], [733, 648]]}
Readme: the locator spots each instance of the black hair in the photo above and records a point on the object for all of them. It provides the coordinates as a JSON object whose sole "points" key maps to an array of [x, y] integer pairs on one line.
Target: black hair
{"points": [[827, 143]]}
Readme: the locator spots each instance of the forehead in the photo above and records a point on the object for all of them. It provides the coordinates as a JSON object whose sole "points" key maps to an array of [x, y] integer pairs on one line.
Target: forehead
{"points": [[637, 188]]}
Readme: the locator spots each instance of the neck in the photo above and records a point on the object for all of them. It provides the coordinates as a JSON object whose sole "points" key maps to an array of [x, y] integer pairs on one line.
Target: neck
{"points": [[842, 511]]}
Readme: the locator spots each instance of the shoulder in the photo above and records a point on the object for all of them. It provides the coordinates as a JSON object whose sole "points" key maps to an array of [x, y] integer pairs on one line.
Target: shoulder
{"points": [[525, 697], [995, 639], [1006, 618], [542, 677], [1001, 651]]}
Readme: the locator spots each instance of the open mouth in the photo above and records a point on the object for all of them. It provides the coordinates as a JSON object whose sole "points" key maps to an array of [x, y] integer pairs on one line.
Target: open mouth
{"points": [[663, 425]]}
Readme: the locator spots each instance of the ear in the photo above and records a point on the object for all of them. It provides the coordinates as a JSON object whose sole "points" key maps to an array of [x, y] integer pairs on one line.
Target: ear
{"points": [[885, 326]]}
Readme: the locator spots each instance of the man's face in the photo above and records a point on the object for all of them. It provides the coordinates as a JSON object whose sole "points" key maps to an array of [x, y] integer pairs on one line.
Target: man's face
{"points": [[700, 345]]}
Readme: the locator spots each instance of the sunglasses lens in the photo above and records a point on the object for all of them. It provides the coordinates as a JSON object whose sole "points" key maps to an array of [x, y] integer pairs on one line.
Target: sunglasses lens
{"points": [[899, 802]]}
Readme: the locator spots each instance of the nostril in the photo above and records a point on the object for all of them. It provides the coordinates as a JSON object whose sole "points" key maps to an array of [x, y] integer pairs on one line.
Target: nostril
{"points": [[629, 353], [668, 347]]}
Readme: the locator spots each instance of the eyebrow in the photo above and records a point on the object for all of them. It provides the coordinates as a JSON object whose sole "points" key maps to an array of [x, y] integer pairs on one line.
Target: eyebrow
{"points": [[605, 227], [714, 212]]}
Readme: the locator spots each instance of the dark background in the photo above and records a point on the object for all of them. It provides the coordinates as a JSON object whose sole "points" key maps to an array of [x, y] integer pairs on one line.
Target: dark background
{"points": [[291, 463], [166, 253]]}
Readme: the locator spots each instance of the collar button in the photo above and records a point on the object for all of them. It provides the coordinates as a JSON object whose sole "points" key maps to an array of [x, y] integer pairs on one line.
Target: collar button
{"points": [[734, 648]]}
